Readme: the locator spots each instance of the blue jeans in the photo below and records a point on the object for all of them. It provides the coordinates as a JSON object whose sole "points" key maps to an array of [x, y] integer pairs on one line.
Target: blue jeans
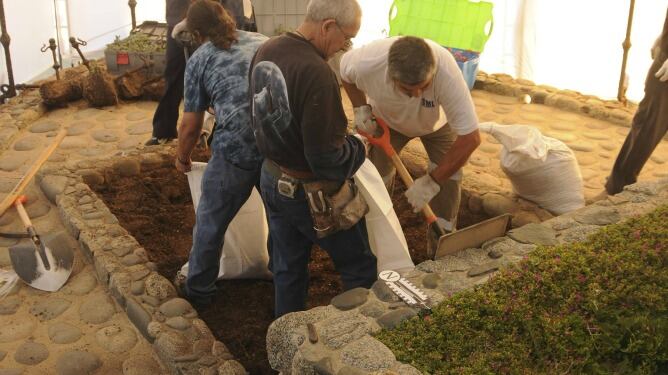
{"points": [[225, 188], [292, 236]]}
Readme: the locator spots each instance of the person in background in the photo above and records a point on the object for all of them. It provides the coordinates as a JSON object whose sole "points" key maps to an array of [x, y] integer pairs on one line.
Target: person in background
{"points": [[300, 127], [217, 75], [413, 84], [649, 125], [166, 115]]}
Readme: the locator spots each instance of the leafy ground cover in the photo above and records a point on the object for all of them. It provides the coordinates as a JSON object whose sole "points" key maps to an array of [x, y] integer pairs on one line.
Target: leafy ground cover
{"points": [[597, 307]]}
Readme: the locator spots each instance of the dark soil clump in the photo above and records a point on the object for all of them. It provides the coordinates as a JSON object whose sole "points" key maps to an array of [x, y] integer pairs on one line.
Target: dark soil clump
{"points": [[156, 208], [98, 88]]}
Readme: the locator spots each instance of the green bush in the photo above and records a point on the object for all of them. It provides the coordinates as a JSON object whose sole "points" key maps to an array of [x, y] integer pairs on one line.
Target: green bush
{"points": [[598, 307]]}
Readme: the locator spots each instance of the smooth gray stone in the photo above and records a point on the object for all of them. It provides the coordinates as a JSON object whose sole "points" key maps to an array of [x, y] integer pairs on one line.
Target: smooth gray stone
{"points": [[131, 260], [383, 292], [28, 143], [350, 299], [77, 363], [52, 186], [139, 317], [97, 309], [9, 305], [82, 284], [430, 281], [137, 287], [372, 309], [140, 365], [394, 317], [64, 333], [37, 209], [44, 127], [483, 269], [50, 308], [116, 339], [596, 215], [141, 128], [534, 234], [31, 353], [80, 127], [12, 162], [105, 135], [14, 330], [175, 307], [179, 323]]}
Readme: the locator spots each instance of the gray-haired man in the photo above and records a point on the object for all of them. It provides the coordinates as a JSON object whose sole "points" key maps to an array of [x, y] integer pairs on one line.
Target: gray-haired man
{"points": [[413, 84], [300, 128]]}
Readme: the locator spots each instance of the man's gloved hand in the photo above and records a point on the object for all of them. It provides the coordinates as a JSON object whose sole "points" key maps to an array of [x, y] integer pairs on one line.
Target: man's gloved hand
{"points": [[662, 73], [363, 119], [178, 28], [422, 191]]}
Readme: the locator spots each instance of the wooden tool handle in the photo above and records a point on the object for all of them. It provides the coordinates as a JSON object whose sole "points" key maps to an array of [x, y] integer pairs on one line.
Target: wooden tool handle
{"points": [[22, 211], [429, 215], [8, 201]]}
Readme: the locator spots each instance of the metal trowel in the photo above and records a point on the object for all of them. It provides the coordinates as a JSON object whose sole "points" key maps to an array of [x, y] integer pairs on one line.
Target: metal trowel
{"points": [[42, 267]]}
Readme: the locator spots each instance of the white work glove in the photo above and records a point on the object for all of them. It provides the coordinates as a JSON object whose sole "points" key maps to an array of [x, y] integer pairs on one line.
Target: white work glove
{"points": [[363, 119], [662, 73], [422, 191], [179, 28]]}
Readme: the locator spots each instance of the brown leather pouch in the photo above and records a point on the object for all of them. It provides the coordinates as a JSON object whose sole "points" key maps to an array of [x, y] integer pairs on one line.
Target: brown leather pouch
{"points": [[334, 206]]}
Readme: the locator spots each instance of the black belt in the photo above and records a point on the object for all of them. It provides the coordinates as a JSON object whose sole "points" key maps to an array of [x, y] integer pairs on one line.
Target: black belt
{"points": [[278, 171]]}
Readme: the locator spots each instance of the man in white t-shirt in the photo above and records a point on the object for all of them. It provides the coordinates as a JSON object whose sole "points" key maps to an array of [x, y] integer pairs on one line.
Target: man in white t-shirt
{"points": [[413, 84]]}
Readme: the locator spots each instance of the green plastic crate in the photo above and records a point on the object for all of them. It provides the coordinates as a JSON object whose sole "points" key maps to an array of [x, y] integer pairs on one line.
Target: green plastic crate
{"points": [[463, 24]]}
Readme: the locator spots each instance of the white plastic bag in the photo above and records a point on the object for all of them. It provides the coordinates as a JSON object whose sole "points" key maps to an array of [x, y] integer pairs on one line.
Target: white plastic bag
{"points": [[386, 237], [541, 169], [245, 254]]}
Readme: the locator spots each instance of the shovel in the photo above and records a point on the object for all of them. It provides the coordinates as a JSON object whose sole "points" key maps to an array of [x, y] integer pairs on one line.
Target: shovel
{"points": [[36, 264], [383, 141]]}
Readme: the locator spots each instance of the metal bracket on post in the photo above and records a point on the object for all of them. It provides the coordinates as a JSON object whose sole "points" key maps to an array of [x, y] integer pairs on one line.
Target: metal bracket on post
{"points": [[8, 90], [132, 4], [76, 42], [52, 46]]}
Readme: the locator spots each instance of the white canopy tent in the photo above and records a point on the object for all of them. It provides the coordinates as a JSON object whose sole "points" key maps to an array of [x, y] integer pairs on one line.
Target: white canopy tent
{"points": [[572, 44]]}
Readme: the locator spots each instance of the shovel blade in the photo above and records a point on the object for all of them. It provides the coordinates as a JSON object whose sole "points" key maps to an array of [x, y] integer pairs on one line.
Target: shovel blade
{"points": [[29, 267]]}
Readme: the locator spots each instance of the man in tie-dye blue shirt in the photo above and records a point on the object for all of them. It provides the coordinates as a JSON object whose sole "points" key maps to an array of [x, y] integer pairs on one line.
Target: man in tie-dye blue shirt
{"points": [[217, 76]]}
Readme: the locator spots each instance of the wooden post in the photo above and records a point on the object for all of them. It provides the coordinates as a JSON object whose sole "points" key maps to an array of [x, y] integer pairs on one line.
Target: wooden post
{"points": [[626, 45]]}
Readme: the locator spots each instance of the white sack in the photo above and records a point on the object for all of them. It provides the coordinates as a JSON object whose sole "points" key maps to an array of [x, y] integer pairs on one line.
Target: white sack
{"points": [[245, 249], [386, 237], [245, 254], [541, 169]]}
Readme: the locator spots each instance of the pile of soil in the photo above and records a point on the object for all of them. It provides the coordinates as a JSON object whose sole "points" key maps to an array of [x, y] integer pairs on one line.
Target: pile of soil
{"points": [[156, 208]]}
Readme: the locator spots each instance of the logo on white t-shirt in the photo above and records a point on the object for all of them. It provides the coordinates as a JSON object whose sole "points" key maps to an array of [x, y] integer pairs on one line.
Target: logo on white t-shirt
{"points": [[428, 103]]}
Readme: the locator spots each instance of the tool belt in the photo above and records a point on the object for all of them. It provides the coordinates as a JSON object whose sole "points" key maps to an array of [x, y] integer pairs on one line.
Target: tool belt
{"points": [[334, 206]]}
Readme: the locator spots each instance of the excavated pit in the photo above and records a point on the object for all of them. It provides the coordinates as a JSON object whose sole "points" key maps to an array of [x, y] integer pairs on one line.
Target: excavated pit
{"points": [[156, 208]]}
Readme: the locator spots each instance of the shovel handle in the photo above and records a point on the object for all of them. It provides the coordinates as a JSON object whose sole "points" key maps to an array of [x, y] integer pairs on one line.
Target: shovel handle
{"points": [[25, 219], [383, 142]]}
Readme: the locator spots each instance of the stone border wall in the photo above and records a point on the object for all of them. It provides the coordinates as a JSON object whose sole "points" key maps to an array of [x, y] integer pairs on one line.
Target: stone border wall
{"points": [[337, 339], [182, 341]]}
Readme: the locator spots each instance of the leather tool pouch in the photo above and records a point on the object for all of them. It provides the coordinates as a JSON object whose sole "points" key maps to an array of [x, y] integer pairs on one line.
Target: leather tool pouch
{"points": [[334, 206]]}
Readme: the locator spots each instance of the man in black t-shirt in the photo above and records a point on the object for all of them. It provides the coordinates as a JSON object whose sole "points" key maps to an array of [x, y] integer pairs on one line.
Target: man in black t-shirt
{"points": [[300, 128]]}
